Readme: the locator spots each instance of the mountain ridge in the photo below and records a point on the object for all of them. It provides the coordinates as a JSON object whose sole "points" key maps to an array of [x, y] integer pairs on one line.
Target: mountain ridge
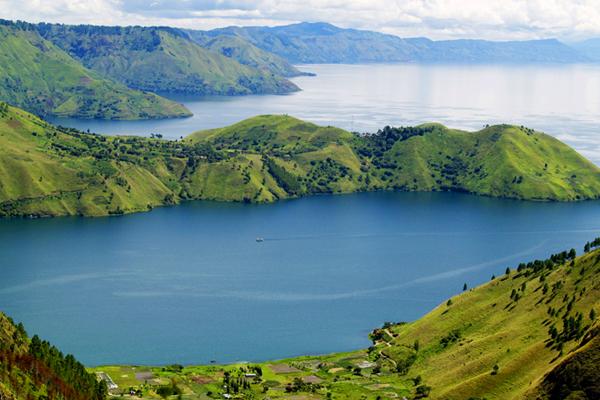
{"points": [[319, 42]]}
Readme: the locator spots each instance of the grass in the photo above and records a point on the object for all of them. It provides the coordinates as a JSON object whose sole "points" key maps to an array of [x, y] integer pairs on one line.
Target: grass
{"points": [[485, 344], [52, 171], [43, 79]]}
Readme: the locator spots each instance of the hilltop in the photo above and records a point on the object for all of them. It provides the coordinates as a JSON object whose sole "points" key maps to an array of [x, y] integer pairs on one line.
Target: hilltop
{"points": [[52, 171], [42, 78], [529, 333]]}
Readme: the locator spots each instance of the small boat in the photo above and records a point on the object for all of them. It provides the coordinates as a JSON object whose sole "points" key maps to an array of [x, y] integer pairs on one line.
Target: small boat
{"points": [[259, 239]]}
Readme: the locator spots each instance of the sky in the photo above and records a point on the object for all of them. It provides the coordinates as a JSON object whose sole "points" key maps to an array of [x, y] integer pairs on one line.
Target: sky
{"points": [[437, 19]]}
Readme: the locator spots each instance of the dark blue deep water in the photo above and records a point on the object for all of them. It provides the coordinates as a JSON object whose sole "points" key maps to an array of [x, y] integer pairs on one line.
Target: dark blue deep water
{"points": [[190, 284]]}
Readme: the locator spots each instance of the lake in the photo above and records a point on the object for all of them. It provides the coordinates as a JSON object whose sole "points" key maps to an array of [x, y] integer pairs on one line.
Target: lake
{"points": [[562, 100], [190, 284]]}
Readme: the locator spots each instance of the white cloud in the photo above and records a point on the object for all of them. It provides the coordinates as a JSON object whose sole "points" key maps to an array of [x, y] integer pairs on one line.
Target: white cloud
{"points": [[438, 19]]}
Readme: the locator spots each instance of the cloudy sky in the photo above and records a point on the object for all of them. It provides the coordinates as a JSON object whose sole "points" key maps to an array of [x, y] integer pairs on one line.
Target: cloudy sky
{"points": [[437, 19]]}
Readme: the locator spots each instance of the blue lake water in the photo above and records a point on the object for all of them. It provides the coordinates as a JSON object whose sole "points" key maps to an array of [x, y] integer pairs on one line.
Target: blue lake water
{"points": [[562, 100], [190, 284]]}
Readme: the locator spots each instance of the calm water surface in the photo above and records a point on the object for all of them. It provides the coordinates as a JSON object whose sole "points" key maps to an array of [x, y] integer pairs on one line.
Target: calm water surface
{"points": [[562, 100], [190, 284]]}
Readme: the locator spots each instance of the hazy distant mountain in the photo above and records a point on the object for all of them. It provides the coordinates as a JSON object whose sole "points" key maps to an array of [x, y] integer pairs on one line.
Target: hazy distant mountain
{"points": [[589, 48], [325, 43]]}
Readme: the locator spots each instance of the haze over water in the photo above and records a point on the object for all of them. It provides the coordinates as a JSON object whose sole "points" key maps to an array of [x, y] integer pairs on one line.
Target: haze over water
{"points": [[561, 100]]}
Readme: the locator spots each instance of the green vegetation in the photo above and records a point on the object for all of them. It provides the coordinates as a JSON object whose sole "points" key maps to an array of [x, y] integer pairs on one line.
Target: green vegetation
{"points": [[245, 53], [53, 171], [163, 60], [39, 77], [482, 344], [32, 369]]}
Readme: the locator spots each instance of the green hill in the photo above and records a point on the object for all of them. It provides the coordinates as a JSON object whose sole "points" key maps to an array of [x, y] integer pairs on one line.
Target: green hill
{"points": [[51, 171], [161, 60], [38, 76], [499, 161], [32, 369], [530, 333], [245, 53]]}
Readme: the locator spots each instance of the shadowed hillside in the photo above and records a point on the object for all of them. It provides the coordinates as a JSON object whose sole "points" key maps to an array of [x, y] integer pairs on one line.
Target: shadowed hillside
{"points": [[40, 77], [162, 60]]}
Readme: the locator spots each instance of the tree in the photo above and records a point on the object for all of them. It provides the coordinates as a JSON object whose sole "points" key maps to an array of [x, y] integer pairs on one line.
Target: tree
{"points": [[464, 287], [495, 369], [507, 272], [593, 314], [572, 254]]}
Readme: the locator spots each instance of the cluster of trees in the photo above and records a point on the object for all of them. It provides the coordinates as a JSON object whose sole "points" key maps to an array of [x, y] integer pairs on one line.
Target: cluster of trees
{"points": [[589, 246], [323, 173], [171, 389], [238, 382], [549, 263], [378, 143], [452, 337], [3, 108], [286, 180], [573, 329], [298, 385], [137, 150], [32, 367]]}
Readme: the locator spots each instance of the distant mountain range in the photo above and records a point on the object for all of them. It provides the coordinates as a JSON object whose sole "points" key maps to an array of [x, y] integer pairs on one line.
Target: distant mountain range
{"points": [[325, 43], [105, 72]]}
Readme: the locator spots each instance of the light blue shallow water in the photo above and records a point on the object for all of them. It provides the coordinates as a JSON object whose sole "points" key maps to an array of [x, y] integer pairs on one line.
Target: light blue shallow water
{"points": [[562, 100], [190, 284]]}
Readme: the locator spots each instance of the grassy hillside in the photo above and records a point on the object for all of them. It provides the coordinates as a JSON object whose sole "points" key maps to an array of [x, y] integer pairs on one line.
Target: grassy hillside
{"points": [[161, 60], [32, 369], [245, 53], [499, 161], [38, 76], [528, 333], [50, 171]]}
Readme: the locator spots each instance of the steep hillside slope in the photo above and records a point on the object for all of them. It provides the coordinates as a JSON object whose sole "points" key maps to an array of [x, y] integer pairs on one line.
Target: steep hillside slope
{"points": [[325, 43], [245, 53], [161, 60], [529, 333], [45, 170], [498, 340], [33, 369], [43, 79]]}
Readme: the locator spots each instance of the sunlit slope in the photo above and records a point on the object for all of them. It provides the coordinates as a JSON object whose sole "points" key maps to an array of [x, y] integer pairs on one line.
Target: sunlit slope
{"points": [[45, 170], [39, 77], [497, 341], [502, 161]]}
